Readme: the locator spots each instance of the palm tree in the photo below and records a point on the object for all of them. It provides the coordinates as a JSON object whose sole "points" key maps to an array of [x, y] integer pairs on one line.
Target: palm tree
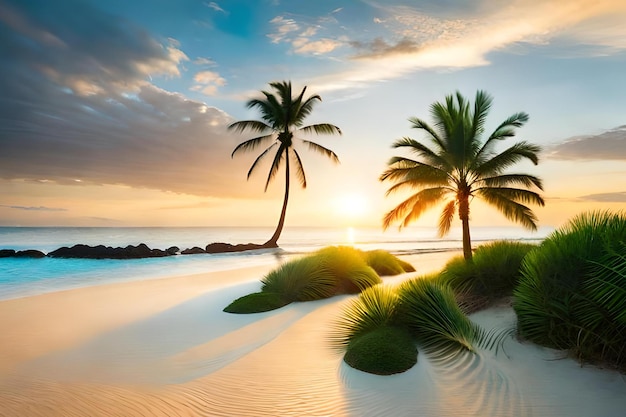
{"points": [[282, 116], [460, 166]]}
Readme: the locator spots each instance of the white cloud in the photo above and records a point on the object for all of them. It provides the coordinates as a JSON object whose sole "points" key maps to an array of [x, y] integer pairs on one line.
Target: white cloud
{"points": [[215, 7], [283, 27], [317, 47], [208, 82]]}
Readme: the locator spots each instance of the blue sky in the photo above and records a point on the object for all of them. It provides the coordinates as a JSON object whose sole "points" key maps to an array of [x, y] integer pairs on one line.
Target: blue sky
{"points": [[115, 112]]}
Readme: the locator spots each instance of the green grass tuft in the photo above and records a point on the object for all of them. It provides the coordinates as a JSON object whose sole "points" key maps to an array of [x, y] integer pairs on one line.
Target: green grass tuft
{"points": [[257, 302], [494, 272], [375, 307], [429, 309], [384, 350], [386, 264], [302, 279], [571, 294]]}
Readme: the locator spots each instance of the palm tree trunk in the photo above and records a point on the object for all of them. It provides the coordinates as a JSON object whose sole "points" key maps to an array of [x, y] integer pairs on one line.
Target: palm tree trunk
{"points": [[273, 242], [464, 216]]}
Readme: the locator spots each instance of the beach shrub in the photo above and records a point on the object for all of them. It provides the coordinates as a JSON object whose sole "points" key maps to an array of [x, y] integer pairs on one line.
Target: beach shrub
{"points": [[348, 267], [429, 309], [386, 264], [494, 272], [571, 294], [375, 307], [257, 302], [384, 350], [302, 279]]}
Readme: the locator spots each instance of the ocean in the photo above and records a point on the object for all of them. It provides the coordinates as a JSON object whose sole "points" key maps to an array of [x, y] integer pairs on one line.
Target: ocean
{"points": [[25, 277]]}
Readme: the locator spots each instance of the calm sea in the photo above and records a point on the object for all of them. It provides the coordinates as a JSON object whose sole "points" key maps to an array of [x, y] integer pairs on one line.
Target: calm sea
{"points": [[24, 277]]}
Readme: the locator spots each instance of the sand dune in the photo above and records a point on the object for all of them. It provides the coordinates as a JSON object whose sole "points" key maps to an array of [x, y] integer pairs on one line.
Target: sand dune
{"points": [[180, 355]]}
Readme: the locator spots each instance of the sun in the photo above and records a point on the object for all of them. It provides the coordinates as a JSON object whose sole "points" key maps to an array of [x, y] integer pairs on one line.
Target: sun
{"points": [[351, 205]]}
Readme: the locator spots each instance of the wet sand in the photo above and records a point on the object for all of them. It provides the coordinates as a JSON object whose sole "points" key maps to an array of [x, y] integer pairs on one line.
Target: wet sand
{"points": [[165, 348]]}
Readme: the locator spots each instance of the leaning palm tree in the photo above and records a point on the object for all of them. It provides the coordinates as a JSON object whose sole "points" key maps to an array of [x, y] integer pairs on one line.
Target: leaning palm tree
{"points": [[282, 116], [460, 166]]}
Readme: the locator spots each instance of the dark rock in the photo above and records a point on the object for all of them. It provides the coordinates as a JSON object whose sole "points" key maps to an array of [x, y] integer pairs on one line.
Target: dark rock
{"points": [[29, 253], [193, 251], [107, 252], [173, 250], [220, 247], [6, 253]]}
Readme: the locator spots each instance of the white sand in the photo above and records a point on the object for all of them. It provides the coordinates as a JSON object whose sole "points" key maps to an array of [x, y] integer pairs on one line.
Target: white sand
{"points": [[164, 347]]}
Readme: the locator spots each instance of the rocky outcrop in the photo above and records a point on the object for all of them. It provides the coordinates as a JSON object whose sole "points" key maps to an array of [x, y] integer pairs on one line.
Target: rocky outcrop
{"points": [[107, 252], [220, 247], [129, 252], [193, 251]]}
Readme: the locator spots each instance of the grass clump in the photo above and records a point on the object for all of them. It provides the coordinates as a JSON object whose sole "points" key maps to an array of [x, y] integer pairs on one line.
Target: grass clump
{"points": [[429, 309], [256, 303], [386, 264], [302, 279], [384, 350], [494, 272], [573, 286], [348, 267]]}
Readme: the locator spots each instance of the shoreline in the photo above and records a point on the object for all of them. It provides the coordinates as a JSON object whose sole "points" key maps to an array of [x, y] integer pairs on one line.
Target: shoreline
{"points": [[164, 347]]}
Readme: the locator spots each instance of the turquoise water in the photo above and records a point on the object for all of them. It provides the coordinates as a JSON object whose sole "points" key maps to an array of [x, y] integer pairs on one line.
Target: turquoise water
{"points": [[24, 277]]}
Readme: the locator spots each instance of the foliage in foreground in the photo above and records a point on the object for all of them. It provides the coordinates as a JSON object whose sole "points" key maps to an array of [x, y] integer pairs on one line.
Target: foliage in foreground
{"points": [[494, 272], [422, 310], [330, 271], [572, 294]]}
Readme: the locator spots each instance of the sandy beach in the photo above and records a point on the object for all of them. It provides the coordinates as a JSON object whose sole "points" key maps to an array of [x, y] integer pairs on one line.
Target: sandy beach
{"points": [[165, 348]]}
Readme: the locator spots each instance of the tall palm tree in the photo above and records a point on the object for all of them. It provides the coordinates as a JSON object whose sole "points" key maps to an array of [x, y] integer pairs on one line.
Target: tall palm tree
{"points": [[460, 166], [282, 116]]}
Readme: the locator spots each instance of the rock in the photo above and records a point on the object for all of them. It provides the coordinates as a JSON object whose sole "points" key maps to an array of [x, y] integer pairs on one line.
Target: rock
{"points": [[193, 251], [107, 252], [220, 247], [29, 253], [6, 253], [172, 250]]}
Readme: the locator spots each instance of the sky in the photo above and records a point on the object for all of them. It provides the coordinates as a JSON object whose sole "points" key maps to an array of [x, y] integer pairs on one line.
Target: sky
{"points": [[115, 113]]}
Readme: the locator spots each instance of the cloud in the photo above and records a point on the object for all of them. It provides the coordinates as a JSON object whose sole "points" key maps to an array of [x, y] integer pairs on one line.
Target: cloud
{"points": [[617, 197], [304, 37], [83, 49], [407, 39], [609, 145], [215, 6], [28, 208], [208, 82], [283, 27], [76, 105], [204, 61]]}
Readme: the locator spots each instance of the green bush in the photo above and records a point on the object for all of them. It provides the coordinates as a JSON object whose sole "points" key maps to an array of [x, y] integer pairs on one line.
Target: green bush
{"points": [[386, 264], [494, 272], [302, 279], [375, 307], [571, 294], [384, 350], [429, 309], [257, 302], [347, 265]]}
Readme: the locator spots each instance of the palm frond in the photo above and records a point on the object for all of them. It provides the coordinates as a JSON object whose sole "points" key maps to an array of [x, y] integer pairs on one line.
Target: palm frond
{"points": [[282, 152], [508, 157], [406, 172], [414, 206], [321, 150], [322, 129], [421, 150], [512, 210], [253, 125], [445, 219], [482, 105], [300, 169], [251, 144], [511, 179], [516, 194], [259, 159], [434, 136]]}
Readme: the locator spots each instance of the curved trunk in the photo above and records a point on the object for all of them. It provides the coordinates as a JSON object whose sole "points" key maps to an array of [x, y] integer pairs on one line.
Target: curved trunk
{"points": [[273, 242], [464, 216]]}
